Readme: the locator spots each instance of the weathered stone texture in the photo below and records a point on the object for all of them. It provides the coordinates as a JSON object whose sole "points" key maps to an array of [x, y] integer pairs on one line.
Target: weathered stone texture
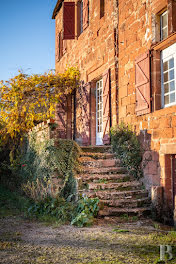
{"points": [[94, 51], [138, 31]]}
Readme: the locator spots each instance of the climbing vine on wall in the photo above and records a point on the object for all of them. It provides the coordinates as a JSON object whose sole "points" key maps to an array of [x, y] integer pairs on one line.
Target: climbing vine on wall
{"points": [[41, 161], [29, 99]]}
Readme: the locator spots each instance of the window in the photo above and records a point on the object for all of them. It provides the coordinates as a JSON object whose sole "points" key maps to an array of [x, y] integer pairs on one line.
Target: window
{"points": [[102, 4], [85, 14], [59, 47], [164, 25], [99, 112], [81, 17], [168, 80], [99, 102]]}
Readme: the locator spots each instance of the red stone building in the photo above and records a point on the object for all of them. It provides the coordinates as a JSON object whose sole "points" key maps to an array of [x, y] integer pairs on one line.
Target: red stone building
{"points": [[147, 85], [126, 54], [86, 37]]}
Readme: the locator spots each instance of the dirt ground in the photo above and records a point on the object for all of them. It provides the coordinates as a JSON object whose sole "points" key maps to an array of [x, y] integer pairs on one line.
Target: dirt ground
{"points": [[108, 242]]}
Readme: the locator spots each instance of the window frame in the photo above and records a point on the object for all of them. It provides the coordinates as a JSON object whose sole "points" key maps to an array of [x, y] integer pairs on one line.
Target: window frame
{"points": [[161, 25], [81, 17], [99, 111], [166, 55], [59, 45]]}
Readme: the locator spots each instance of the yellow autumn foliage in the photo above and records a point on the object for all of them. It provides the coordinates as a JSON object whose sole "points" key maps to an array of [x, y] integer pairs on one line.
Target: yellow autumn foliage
{"points": [[26, 100]]}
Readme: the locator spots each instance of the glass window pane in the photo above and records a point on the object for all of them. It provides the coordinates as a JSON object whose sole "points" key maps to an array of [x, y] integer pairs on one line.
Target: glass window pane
{"points": [[171, 63], [165, 66], [165, 76], [172, 97], [164, 20], [164, 33], [166, 99], [166, 88], [171, 74], [172, 86]]}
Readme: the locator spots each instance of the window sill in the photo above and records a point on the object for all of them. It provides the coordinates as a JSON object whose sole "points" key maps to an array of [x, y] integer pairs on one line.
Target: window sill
{"points": [[165, 43], [168, 105], [164, 111]]}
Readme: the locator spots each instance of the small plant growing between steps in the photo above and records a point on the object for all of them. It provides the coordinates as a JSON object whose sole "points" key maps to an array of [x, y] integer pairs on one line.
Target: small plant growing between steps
{"points": [[103, 181], [126, 146]]}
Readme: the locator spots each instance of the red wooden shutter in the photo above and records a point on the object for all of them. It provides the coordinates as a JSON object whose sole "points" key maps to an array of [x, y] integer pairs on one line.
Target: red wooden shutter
{"points": [[85, 14], [69, 20], [173, 16], [85, 114], [171, 6], [142, 84], [106, 107], [61, 117]]}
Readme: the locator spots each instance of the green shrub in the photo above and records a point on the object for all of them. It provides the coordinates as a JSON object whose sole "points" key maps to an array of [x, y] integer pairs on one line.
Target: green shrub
{"points": [[57, 209], [127, 148], [12, 202], [52, 209], [85, 211]]}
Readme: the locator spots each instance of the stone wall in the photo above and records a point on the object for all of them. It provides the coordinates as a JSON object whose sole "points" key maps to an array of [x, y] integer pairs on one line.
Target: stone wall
{"points": [[94, 51], [43, 132], [138, 33]]}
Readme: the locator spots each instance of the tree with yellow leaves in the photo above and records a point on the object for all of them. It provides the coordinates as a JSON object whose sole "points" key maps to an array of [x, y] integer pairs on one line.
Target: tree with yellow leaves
{"points": [[27, 100]]}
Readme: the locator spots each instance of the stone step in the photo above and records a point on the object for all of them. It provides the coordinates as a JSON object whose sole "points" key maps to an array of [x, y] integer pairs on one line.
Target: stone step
{"points": [[127, 203], [110, 195], [101, 176], [111, 211], [100, 163], [96, 149], [115, 186], [97, 155], [106, 170], [105, 177]]}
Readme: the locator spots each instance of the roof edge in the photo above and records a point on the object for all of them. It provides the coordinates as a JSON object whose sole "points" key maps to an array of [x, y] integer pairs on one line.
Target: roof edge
{"points": [[57, 8]]}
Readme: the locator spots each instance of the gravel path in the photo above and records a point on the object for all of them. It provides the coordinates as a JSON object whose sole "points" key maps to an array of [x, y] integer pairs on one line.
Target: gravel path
{"points": [[27, 242]]}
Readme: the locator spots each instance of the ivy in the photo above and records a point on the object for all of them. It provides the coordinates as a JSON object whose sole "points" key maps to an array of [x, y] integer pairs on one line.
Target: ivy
{"points": [[43, 160]]}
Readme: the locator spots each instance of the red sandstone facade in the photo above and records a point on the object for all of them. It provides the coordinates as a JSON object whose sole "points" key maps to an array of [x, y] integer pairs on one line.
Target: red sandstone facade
{"points": [[131, 47], [145, 100], [92, 47]]}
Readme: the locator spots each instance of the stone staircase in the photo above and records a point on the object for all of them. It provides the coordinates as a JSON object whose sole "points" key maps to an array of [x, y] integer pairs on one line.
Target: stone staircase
{"points": [[103, 177]]}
